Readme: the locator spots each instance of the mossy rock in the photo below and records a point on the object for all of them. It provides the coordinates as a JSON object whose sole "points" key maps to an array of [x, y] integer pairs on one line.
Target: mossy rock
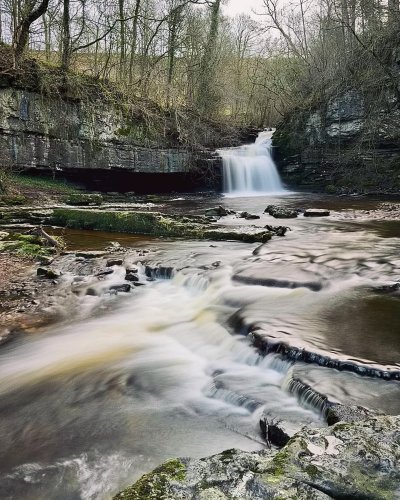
{"points": [[154, 486], [84, 199], [153, 224]]}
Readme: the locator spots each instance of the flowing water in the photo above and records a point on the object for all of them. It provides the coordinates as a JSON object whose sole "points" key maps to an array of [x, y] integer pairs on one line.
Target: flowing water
{"points": [[88, 406], [250, 170]]}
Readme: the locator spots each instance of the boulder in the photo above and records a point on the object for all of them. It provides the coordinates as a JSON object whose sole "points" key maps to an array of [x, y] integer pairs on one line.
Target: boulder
{"points": [[114, 262], [280, 212], [219, 211], [123, 287], [50, 274], [131, 277], [247, 216]]}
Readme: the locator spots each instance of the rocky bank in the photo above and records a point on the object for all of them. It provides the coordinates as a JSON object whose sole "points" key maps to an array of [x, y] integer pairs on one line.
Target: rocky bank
{"points": [[357, 460]]}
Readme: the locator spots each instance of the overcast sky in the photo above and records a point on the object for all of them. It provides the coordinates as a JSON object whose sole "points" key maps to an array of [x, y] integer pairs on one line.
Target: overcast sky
{"points": [[233, 7]]}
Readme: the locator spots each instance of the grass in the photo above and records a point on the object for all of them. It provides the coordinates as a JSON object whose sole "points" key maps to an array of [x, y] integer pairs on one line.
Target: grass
{"points": [[34, 190], [42, 183]]}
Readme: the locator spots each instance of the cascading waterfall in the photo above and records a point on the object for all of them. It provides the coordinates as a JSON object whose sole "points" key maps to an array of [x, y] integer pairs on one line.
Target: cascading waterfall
{"points": [[250, 170]]}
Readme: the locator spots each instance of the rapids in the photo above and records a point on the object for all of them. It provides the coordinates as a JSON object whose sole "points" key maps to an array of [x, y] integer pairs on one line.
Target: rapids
{"points": [[89, 405]]}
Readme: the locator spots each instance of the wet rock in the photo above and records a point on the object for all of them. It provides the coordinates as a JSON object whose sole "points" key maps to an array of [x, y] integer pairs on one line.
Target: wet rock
{"points": [[92, 292], [132, 270], [276, 276], [229, 233], [4, 235], [312, 355], [278, 230], [44, 261], [106, 272], [276, 433], [280, 212], [248, 216], [131, 277], [336, 412], [159, 271], [123, 287], [316, 212], [219, 211], [51, 274], [114, 262], [92, 254], [355, 460], [393, 290]]}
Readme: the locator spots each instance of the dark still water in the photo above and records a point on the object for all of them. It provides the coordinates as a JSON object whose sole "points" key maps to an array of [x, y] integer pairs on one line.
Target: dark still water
{"points": [[90, 405]]}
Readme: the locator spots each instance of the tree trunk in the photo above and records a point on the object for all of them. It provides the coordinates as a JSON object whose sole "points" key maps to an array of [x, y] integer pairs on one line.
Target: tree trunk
{"points": [[66, 38], [206, 95], [21, 33]]}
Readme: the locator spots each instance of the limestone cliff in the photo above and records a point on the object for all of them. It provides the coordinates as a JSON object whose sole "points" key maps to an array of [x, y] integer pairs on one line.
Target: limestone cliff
{"points": [[105, 145], [346, 142]]}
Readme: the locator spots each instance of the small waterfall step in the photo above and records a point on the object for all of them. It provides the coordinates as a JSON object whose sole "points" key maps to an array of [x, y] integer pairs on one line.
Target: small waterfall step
{"points": [[249, 170]]}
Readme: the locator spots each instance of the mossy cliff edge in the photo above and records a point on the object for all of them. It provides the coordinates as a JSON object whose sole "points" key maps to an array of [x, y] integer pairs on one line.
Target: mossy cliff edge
{"points": [[358, 460]]}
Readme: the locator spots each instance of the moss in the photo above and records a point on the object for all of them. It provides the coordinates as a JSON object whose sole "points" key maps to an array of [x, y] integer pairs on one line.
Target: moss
{"points": [[13, 200], [154, 486], [25, 238], [150, 223], [27, 245], [26, 249], [312, 470], [84, 199]]}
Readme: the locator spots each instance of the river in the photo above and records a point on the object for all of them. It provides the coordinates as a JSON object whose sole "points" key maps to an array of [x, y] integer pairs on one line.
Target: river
{"points": [[90, 405]]}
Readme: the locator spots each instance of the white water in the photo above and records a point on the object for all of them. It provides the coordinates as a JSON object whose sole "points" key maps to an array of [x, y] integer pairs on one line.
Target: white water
{"points": [[250, 170]]}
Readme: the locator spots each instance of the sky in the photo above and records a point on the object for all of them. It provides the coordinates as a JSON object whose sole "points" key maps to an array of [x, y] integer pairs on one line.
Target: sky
{"points": [[234, 7]]}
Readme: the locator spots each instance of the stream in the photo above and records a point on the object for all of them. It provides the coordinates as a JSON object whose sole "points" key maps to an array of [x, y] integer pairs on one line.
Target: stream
{"points": [[90, 405]]}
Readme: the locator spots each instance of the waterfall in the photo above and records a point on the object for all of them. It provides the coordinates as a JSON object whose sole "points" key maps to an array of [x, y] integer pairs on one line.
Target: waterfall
{"points": [[250, 170]]}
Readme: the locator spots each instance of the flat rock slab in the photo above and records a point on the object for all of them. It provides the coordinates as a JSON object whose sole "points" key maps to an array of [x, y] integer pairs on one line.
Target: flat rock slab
{"points": [[348, 460], [287, 276]]}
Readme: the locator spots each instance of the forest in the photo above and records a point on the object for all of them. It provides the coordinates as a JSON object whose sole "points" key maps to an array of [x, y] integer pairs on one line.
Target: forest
{"points": [[251, 69]]}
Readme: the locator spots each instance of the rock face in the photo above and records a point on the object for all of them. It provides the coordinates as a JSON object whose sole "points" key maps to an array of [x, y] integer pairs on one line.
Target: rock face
{"points": [[93, 143], [358, 460], [347, 143]]}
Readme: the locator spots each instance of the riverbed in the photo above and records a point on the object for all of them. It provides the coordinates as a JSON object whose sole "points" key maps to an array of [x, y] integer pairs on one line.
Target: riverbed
{"points": [[89, 405]]}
